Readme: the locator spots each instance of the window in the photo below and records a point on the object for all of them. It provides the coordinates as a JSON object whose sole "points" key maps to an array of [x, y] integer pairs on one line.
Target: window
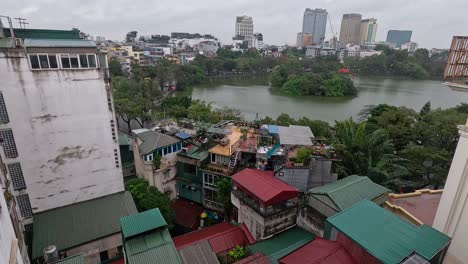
{"points": [[8, 142], [209, 180], [84, 61], [103, 256], [3, 111], [43, 61], [17, 178], [74, 61], [78, 61], [24, 205]]}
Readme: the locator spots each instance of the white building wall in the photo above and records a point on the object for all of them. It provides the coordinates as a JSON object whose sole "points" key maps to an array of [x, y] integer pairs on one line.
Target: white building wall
{"points": [[7, 235], [452, 214], [61, 122]]}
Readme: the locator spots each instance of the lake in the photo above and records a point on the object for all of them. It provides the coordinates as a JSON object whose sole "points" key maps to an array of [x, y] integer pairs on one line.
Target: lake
{"points": [[254, 95]]}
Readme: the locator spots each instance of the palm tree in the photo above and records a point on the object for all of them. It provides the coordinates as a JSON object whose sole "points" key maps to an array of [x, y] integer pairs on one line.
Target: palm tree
{"points": [[366, 153]]}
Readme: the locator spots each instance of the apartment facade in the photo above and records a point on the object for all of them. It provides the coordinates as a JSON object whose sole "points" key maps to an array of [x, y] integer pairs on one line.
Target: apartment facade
{"points": [[368, 31], [399, 37], [57, 127], [245, 27], [350, 29], [315, 23]]}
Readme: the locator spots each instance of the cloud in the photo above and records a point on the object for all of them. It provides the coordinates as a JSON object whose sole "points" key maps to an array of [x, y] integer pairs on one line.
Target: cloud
{"points": [[433, 22]]}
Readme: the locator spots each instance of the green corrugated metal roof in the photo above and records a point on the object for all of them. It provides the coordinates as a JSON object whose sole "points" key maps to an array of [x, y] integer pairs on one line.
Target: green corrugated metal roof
{"points": [[154, 247], [58, 43], [43, 33], [282, 244], [346, 192], [80, 223], [384, 235], [123, 139], [78, 259], [139, 223], [195, 153]]}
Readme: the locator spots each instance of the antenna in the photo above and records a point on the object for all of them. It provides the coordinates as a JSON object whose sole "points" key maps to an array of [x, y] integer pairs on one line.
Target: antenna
{"points": [[22, 22]]}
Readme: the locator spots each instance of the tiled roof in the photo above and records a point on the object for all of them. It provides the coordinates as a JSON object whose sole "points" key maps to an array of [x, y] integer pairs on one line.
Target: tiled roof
{"points": [[346, 192], [80, 223], [139, 223], [221, 237], [319, 251], [264, 186], [282, 244], [384, 235]]}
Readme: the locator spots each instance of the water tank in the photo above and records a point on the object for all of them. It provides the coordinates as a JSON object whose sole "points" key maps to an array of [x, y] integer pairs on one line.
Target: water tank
{"points": [[51, 254]]}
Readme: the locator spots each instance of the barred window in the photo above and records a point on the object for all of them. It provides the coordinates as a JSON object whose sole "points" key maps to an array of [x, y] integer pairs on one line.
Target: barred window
{"points": [[24, 205], [8, 142], [3, 111], [16, 174], [28, 227]]}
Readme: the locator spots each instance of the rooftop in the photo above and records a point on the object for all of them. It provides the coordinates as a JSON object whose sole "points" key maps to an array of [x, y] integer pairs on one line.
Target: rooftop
{"points": [[227, 149], [264, 186], [221, 237], [346, 192], [136, 224], [319, 251], [79, 223], [58, 43], [42, 33], [78, 259], [282, 244], [152, 140], [295, 135], [257, 258], [147, 239], [195, 151], [198, 253], [123, 139], [420, 206], [384, 235], [186, 213]]}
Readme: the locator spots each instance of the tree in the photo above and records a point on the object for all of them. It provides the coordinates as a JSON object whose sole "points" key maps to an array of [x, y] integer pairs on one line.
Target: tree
{"points": [[425, 109], [303, 154], [148, 197], [223, 195], [284, 120], [237, 253], [157, 161], [115, 68]]}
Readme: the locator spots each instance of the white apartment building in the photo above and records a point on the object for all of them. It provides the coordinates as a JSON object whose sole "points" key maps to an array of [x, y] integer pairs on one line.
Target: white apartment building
{"points": [[245, 28], [258, 41], [368, 31], [452, 214], [411, 47], [57, 123]]}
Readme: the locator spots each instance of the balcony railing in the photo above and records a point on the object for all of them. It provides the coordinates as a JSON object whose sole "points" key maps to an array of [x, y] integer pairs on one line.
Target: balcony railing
{"points": [[265, 212]]}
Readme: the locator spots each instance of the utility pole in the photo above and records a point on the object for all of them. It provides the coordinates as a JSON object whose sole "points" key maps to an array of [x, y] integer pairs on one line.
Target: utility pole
{"points": [[22, 22]]}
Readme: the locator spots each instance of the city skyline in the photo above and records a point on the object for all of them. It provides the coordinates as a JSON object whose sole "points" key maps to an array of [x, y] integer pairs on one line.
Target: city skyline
{"points": [[278, 23]]}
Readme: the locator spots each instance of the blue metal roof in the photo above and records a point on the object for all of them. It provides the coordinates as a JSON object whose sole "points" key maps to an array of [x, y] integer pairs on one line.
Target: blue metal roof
{"points": [[273, 129], [183, 135]]}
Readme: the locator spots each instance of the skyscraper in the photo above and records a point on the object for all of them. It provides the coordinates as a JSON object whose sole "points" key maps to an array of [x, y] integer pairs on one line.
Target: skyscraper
{"points": [[368, 30], [303, 40], [244, 27], [315, 23], [350, 29], [399, 37]]}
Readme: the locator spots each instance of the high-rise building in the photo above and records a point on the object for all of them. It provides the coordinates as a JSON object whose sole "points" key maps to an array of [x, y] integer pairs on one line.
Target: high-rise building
{"points": [[303, 40], [399, 37], [315, 23], [57, 121], [100, 38], [258, 41], [350, 29], [368, 31], [245, 28], [131, 36]]}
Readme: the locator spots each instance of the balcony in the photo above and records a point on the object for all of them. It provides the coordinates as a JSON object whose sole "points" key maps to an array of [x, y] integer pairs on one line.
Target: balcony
{"points": [[218, 168], [261, 210]]}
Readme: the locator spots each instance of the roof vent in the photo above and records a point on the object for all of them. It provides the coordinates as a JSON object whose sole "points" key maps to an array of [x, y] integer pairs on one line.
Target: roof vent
{"points": [[51, 254]]}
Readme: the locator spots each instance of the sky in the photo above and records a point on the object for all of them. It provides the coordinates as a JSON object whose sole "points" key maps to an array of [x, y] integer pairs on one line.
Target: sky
{"points": [[433, 22]]}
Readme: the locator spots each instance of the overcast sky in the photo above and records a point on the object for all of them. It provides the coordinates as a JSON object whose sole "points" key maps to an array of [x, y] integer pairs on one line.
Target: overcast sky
{"points": [[433, 22]]}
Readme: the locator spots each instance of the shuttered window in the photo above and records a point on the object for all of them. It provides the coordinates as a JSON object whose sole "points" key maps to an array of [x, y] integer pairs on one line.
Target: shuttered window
{"points": [[17, 177], [24, 205], [8, 142]]}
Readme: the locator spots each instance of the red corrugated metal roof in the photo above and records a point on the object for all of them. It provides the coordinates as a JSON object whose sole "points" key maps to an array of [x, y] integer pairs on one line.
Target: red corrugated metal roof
{"points": [[221, 237], [257, 258], [319, 251], [264, 186], [186, 213]]}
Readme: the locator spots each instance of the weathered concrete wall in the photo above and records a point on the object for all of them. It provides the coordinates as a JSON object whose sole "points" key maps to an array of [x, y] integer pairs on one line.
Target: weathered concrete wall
{"points": [[61, 123], [310, 220], [91, 250], [264, 227]]}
